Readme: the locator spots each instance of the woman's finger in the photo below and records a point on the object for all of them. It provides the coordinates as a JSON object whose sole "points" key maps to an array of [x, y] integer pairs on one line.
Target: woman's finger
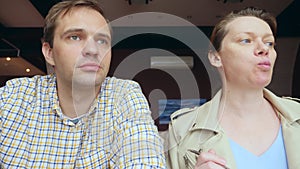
{"points": [[209, 159]]}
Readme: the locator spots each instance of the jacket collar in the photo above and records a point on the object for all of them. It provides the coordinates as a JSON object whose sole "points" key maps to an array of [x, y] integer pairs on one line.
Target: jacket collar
{"points": [[284, 106], [209, 120]]}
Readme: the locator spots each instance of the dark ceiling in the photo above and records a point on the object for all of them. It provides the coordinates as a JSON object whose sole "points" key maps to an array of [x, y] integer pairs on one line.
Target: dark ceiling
{"points": [[27, 39]]}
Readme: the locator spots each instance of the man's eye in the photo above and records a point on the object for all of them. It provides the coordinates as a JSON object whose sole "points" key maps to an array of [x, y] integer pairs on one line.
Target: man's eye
{"points": [[74, 37], [246, 41], [102, 41]]}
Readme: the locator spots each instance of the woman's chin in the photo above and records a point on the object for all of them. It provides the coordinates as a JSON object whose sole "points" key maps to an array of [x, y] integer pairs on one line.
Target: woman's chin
{"points": [[263, 83]]}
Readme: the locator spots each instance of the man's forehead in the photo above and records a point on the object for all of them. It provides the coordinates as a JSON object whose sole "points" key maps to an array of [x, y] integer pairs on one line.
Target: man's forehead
{"points": [[81, 24]]}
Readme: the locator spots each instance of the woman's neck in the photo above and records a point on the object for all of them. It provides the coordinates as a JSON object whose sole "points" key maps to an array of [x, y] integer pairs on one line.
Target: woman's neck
{"points": [[242, 101]]}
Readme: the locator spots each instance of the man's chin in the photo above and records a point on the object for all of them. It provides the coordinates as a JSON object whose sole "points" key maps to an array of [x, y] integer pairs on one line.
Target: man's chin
{"points": [[88, 80]]}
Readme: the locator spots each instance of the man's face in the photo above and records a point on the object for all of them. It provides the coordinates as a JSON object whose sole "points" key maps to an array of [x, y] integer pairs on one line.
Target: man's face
{"points": [[81, 50]]}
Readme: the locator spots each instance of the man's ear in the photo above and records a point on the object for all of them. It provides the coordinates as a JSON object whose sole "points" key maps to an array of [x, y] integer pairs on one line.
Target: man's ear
{"points": [[214, 58], [47, 51]]}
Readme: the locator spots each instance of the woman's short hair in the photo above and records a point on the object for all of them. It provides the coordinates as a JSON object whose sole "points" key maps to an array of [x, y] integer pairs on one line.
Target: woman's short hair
{"points": [[220, 30]]}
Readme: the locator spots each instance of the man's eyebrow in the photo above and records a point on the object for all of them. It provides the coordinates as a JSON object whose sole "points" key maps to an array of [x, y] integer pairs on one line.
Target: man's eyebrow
{"points": [[78, 30], [105, 35], [72, 31]]}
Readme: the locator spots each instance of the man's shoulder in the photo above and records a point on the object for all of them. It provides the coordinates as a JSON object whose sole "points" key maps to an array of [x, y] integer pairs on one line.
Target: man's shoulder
{"points": [[21, 92], [27, 84], [118, 82], [29, 81]]}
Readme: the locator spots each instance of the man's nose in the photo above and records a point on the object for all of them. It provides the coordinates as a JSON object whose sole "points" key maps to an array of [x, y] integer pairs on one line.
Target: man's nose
{"points": [[90, 48]]}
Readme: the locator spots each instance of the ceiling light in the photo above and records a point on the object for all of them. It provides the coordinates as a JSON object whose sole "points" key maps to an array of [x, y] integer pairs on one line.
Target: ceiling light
{"points": [[27, 70], [8, 59]]}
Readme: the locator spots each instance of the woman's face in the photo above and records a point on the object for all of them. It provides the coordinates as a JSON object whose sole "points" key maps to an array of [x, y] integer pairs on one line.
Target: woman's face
{"points": [[247, 53]]}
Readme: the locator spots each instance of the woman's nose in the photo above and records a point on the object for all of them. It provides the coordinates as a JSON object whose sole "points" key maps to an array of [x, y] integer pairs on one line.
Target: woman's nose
{"points": [[262, 49]]}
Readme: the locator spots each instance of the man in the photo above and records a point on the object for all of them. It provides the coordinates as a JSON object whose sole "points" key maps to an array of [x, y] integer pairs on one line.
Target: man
{"points": [[77, 117]]}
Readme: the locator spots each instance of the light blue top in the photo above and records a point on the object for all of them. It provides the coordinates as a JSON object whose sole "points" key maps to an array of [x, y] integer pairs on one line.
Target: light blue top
{"points": [[274, 157]]}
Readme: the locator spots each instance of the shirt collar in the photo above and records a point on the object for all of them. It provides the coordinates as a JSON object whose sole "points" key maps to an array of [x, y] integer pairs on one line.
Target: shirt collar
{"points": [[54, 101]]}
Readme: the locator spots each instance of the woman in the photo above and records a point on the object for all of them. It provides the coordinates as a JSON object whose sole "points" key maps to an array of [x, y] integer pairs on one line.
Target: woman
{"points": [[244, 125]]}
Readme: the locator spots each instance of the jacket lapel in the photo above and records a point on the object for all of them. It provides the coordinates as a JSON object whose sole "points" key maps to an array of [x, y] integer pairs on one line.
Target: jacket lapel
{"points": [[289, 114], [221, 145], [208, 120], [291, 136]]}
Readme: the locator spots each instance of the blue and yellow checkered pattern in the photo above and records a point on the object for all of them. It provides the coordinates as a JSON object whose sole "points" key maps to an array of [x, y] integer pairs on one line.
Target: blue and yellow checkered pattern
{"points": [[118, 132]]}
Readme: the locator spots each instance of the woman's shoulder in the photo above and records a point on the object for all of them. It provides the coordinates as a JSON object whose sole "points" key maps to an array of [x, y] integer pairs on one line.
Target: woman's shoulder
{"points": [[183, 113], [285, 101], [291, 105], [186, 114], [183, 120], [293, 99]]}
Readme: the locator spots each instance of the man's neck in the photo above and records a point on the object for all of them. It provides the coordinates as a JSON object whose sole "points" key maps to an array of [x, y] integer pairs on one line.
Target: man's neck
{"points": [[76, 102]]}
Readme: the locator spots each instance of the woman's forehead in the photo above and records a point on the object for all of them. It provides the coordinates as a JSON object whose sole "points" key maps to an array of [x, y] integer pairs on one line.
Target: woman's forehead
{"points": [[248, 24]]}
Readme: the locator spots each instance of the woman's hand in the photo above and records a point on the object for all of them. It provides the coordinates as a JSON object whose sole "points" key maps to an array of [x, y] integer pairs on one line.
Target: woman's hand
{"points": [[210, 160]]}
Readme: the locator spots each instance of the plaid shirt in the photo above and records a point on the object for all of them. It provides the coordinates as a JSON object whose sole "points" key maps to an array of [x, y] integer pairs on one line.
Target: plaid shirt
{"points": [[118, 131]]}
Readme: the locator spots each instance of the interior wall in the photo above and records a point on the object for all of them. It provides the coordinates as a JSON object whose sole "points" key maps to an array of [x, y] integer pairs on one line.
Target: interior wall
{"points": [[282, 82], [296, 79], [157, 84]]}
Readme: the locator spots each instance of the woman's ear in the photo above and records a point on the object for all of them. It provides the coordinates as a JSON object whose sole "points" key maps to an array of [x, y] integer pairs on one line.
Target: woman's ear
{"points": [[47, 51], [214, 58]]}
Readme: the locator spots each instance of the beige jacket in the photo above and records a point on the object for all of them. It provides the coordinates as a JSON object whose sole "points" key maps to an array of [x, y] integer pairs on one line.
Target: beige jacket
{"points": [[198, 128]]}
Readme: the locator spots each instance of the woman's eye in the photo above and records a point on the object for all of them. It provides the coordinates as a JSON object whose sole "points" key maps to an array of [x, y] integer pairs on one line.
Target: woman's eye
{"points": [[74, 37], [245, 41], [270, 44]]}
